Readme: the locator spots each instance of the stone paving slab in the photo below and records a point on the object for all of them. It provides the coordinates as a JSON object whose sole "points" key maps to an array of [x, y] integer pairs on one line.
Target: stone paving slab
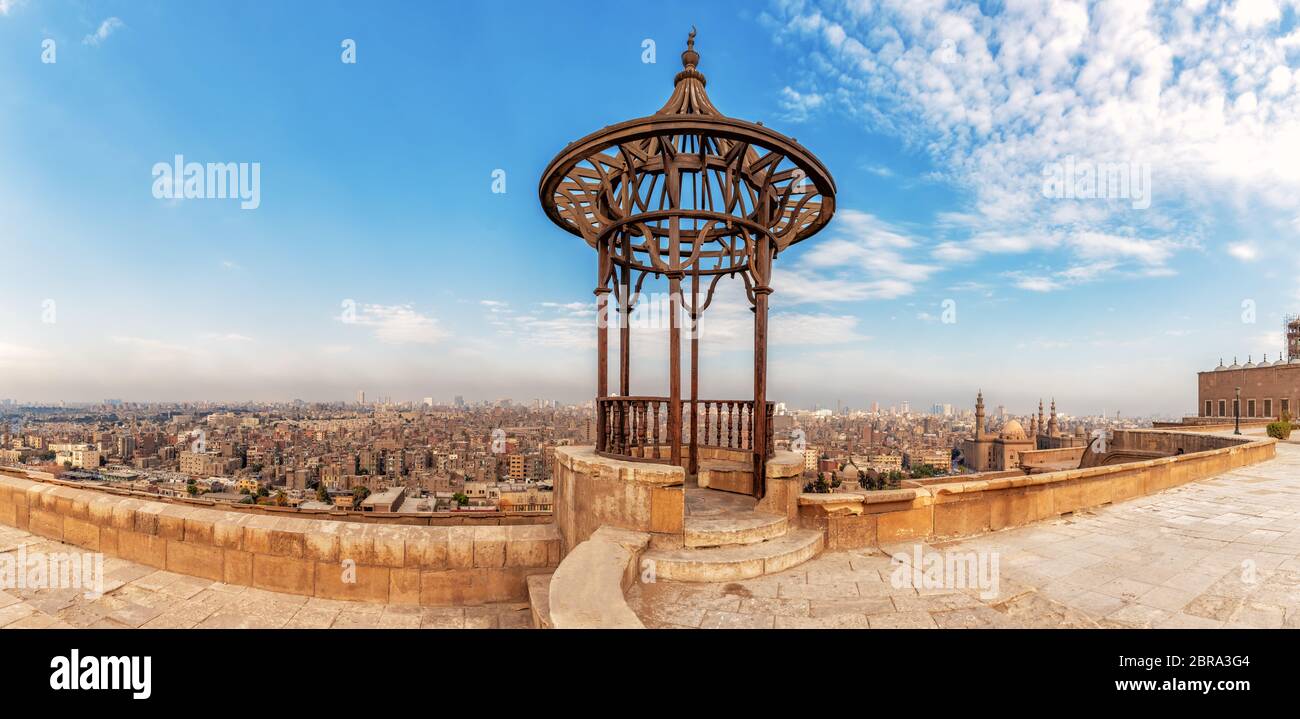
{"points": [[1222, 552], [137, 596]]}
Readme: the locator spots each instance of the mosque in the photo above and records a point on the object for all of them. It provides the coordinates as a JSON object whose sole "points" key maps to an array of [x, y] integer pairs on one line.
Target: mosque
{"points": [[990, 452]]}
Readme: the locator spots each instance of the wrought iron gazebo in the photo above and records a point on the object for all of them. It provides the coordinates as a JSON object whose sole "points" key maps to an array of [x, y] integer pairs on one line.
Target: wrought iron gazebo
{"points": [[685, 193]]}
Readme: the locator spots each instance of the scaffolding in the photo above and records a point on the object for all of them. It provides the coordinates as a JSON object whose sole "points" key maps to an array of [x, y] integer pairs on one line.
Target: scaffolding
{"points": [[1291, 328]]}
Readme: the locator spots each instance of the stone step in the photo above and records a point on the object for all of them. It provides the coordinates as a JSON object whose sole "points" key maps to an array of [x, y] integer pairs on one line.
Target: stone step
{"points": [[734, 528], [726, 476], [735, 562], [539, 600]]}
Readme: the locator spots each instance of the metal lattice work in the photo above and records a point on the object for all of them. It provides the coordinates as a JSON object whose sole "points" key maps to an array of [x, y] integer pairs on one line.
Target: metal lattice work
{"points": [[686, 192]]}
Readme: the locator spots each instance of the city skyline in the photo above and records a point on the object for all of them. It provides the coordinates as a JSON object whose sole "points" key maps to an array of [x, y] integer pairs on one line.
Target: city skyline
{"points": [[949, 267]]}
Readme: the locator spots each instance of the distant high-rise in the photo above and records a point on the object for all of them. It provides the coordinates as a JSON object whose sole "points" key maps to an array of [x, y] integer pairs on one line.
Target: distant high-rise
{"points": [[361, 396]]}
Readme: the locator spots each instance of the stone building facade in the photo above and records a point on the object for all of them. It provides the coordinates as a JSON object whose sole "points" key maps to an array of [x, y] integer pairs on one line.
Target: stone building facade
{"points": [[1267, 389]]}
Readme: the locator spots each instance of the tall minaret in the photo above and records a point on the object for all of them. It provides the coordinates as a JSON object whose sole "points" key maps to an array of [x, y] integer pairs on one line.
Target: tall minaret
{"points": [[979, 415], [1052, 426], [1042, 426]]}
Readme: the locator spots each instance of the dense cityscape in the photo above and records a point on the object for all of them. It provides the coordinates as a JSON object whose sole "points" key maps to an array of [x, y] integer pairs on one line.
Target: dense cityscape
{"points": [[423, 457]]}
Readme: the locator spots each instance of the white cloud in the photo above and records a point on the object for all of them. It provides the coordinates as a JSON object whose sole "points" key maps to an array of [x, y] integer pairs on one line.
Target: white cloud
{"points": [[226, 337], [106, 28], [864, 259], [568, 325], [8, 6], [399, 324], [1243, 251], [798, 106], [1248, 14], [1037, 283], [1205, 96]]}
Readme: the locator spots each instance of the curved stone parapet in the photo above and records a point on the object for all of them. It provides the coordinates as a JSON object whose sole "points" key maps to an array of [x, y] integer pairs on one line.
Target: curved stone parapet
{"points": [[941, 508], [592, 491], [587, 589], [393, 564]]}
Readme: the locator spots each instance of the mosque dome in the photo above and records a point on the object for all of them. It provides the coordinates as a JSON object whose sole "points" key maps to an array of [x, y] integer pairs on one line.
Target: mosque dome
{"points": [[1012, 430]]}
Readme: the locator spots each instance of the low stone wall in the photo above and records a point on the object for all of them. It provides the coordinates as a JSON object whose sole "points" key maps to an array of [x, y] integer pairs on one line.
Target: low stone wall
{"points": [[1209, 424], [432, 519], [324, 558], [593, 491], [1045, 458], [1170, 443], [861, 519]]}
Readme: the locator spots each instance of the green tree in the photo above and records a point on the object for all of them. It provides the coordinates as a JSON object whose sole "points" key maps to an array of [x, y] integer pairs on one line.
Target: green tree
{"points": [[461, 499], [359, 495], [922, 471]]}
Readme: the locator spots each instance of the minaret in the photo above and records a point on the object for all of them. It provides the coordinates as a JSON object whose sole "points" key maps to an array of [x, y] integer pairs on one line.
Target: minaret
{"points": [[1053, 429], [979, 415], [1041, 425]]}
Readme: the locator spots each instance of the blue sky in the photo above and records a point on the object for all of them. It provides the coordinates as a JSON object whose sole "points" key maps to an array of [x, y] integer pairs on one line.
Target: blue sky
{"points": [[936, 119]]}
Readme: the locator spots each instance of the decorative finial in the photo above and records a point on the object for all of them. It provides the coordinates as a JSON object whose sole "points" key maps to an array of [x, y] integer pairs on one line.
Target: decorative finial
{"points": [[690, 58]]}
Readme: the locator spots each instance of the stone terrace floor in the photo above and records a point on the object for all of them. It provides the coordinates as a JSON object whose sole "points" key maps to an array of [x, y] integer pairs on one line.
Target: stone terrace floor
{"points": [[1222, 552], [137, 596]]}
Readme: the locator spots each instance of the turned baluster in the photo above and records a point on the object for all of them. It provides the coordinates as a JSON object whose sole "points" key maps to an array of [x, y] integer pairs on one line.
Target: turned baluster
{"points": [[655, 436], [620, 428], [629, 435], [643, 429]]}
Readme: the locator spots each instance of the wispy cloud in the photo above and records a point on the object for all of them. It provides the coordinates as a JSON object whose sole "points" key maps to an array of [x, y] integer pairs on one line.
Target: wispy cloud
{"points": [[1206, 96], [399, 324], [799, 106], [106, 28], [864, 259]]}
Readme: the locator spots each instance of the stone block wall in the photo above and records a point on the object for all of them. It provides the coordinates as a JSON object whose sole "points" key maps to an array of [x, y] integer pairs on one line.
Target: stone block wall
{"points": [[954, 509], [593, 491], [324, 558]]}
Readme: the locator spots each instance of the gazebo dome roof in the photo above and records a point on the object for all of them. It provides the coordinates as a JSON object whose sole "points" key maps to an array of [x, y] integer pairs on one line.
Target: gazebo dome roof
{"points": [[723, 180]]}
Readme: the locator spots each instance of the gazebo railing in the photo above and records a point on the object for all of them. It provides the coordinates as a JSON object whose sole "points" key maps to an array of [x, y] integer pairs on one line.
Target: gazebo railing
{"points": [[636, 428]]}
